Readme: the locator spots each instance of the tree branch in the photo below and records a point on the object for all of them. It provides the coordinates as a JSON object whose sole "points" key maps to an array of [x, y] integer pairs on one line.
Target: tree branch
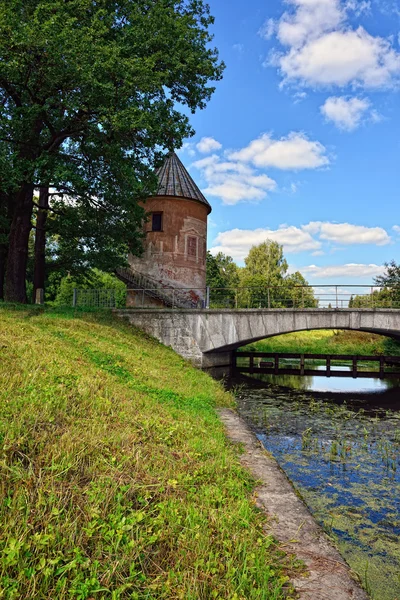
{"points": [[56, 212]]}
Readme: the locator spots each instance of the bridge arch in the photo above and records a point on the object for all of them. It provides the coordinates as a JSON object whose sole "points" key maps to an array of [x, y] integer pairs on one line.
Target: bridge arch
{"points": [[231, 331], [389, 334]]}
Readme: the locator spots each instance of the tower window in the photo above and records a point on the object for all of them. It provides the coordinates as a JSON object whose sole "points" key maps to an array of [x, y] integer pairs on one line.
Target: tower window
{"points": [[192, 246], [156, 221]]}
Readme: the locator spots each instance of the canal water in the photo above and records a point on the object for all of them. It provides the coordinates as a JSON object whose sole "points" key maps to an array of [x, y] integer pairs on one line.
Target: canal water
{"points": [[338, 441]]}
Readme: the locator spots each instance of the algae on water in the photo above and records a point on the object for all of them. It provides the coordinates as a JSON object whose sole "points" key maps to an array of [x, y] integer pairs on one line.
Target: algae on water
{"points": [[345, 462]]}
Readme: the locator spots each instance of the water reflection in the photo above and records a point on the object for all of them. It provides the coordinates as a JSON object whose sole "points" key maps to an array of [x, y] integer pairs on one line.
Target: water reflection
{"points": [[333, 384], [342, 452], [330, 384]]}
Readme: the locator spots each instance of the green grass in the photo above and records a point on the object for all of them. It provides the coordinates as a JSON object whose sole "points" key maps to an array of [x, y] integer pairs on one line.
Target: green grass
{"points": [[116, 478], [328, 342]]}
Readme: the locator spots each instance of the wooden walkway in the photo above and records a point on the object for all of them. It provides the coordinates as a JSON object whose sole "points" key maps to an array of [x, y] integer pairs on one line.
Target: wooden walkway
{"points": [[269, 363]]}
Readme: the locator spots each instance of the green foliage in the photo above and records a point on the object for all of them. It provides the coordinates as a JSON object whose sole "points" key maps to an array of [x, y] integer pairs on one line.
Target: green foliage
{"points": [[93, 280], [262, 283], [223, 278], [391, 277], [116, 478], [65, 291], [91, 94], [267, 261], [267, 284], [390, 282], [384, 298], [297, 292]]}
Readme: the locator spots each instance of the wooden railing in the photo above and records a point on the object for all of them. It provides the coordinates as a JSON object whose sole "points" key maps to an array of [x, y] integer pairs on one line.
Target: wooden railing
{"points": [[269, 363]]}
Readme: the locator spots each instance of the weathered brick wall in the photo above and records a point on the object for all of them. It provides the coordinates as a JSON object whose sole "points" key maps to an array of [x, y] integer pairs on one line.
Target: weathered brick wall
{"points": [[167, 255]]}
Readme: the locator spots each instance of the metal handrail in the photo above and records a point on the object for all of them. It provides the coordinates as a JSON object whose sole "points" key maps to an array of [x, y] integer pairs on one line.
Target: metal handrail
{"points": [[171, 295], [323, 296]]}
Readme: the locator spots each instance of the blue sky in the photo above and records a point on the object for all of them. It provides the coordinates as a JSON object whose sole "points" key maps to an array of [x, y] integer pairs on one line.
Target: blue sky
{"points": [[301, 140]]}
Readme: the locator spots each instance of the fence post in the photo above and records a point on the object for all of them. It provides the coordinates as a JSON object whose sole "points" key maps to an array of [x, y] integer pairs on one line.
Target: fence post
{"points": [[208, 297], [39, 298], [74, 297], [372, 297], [337, 300], [269, 298], [302, 297]]}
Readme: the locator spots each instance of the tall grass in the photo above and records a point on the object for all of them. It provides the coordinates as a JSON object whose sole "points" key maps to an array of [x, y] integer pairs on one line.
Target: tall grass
{"points": [[116, 479]]}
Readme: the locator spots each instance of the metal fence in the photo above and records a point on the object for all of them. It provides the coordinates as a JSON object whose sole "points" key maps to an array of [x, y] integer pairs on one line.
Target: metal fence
{"points": [[268, 297], [88, 298], [302, 297]]}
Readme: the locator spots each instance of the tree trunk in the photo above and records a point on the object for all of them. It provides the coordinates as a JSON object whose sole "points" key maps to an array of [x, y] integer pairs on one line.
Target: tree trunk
{"points": [[5, 221], [40, 242], [15, 288], [3, 259]]}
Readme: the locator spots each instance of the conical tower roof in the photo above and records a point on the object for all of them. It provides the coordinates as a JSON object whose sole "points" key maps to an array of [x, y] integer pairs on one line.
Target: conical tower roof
{"points": [[174, 180]]}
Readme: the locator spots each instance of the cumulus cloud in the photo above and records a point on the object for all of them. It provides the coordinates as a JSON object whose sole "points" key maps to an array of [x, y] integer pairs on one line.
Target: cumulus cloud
{"points": [[310, 19], [307, 238], [237, 242], [321, 48], [207, 145], [232, 181], [348, 234], [293, 152], [338, 271], [396, 228], [346, 113]]}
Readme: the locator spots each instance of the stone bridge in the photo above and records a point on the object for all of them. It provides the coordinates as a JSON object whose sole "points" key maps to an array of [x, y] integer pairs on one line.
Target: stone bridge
{"points": [[208, 337]]}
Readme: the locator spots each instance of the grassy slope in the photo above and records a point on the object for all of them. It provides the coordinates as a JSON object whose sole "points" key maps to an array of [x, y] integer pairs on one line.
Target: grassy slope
{"points": [[329, 342], [116, 479]]}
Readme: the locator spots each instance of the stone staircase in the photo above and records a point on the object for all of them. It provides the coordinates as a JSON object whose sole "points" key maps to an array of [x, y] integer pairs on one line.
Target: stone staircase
{"points": [[169, 296]]}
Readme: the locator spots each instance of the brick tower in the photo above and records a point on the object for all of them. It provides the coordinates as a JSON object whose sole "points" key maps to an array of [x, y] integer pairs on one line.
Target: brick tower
{"points": [[175, 246]]}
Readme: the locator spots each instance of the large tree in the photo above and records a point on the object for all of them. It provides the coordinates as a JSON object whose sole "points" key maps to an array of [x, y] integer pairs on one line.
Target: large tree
{"points": [[100, 79], [263, 276], [389, 282], [265, 282]]}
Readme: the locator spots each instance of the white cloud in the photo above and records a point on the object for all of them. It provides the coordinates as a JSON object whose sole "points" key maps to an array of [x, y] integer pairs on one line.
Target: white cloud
{"points": [[293, 152], [346, 113], [321, 48], [237, 242], [307, 238], [207, 145], [310, 19], [299, 97], [342, 58], [346, 233], [268, 29], [337, 271], [233, 182], [187, 148], [358, 6], [396, 228]]}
